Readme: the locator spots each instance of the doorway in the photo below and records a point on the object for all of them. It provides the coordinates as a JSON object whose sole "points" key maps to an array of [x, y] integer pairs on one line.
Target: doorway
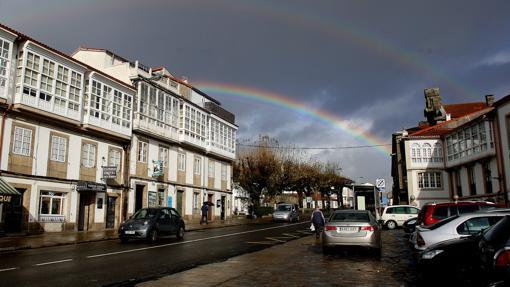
{"points": [[110, 212], [210, 212], [13, 213], [139, 197], [180, 194], [86, 215], [223, 208]]}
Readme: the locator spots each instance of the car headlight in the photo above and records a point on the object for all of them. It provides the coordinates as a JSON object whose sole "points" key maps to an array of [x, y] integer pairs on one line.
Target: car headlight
{"points": [[431, 254]]}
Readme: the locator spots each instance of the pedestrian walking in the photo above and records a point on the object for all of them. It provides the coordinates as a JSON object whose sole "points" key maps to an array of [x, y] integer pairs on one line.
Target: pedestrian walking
{"points": [[318, 221], [205, 210]]}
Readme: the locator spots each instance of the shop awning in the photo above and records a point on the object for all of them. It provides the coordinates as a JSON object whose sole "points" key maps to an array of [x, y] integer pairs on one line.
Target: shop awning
{"points": [[7, 189]]}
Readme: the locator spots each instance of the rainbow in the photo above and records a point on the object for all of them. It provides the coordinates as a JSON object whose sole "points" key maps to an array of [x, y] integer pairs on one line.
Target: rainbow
{"points": [[296, 107]]}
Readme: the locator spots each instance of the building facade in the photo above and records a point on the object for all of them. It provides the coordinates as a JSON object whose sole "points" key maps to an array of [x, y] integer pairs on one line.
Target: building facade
{"points": [[58, 136], [88, 139], [451, 156], [183, 142]]}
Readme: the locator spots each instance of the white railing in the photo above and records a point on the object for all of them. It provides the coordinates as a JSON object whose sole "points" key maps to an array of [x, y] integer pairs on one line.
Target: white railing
{"points": [[192, 140], [221, 152], [155, 127], [49, 107], [51, 218]]}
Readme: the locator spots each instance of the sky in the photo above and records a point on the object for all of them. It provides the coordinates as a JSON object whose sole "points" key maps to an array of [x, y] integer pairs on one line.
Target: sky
{"points": [[307, 73]]}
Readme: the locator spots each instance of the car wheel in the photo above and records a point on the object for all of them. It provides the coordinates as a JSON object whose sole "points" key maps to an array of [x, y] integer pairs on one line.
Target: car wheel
{"points": [[391, 224], [153, 235], [180, 233], [124, 239]]}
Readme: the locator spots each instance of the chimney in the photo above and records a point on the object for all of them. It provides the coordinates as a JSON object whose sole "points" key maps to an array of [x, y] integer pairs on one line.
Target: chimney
{"points": [[434, 111], [489, 100]]}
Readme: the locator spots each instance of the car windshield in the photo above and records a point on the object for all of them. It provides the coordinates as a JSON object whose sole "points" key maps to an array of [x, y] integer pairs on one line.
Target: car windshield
{"points": [[283, 208], [350, 216], [442, 222], [145, 214]]}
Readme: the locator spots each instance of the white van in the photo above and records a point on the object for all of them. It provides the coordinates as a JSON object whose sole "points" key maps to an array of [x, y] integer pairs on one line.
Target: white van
{"points": [[396, 215]]}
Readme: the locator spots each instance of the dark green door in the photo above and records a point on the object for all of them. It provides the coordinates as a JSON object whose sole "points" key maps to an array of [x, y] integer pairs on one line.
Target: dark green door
{"points": [[179, 201]]}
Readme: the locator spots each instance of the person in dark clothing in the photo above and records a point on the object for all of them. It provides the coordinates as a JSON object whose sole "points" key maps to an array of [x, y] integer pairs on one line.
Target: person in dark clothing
{"points": [[205, 209], [318, 221]]}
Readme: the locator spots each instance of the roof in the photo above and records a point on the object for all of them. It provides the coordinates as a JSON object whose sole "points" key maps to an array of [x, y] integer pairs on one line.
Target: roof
{"points": [[460, 110], [22, 36], [82, 48], [502, 101], [448, 126]]}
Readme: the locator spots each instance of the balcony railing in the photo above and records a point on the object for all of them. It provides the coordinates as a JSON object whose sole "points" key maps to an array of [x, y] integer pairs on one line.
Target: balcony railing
{"points": [[49, 107], [146, 124], [221, 152], [108, 125]]}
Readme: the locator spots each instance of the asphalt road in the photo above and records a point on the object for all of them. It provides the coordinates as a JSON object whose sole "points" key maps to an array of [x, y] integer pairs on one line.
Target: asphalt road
{"points": [[116, 264]]}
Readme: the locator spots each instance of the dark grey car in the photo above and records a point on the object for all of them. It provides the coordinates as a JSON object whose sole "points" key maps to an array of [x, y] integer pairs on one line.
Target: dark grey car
{"points": [[150, 223]]}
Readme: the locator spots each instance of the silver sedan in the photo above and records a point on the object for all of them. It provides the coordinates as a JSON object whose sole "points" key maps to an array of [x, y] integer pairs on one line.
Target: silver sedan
{"points": [[351, 228]]}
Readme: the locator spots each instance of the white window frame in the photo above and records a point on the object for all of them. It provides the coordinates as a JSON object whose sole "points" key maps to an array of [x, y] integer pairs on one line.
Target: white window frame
{"points": [[181, 161], [197, 166], [223, 172], [210, 169], [163, 155], [5, 53], [22, 142], [52, 196], [430, 180], [142, 151], [58, 148], [115, 158], [88, 155]]}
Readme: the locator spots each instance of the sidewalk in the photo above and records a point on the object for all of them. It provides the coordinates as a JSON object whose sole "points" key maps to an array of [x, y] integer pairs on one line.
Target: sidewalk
{"points": [[300, 262], [11, 243]]}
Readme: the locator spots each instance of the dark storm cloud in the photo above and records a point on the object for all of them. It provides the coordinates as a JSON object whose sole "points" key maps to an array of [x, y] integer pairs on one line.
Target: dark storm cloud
{"points": [[365, 61]]}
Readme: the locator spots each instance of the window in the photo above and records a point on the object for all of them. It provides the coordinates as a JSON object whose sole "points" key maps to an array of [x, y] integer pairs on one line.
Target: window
{"points": [[440, 212], [196, 200], [58, 148], [88, 155], [458, 182], [472, 180], [223, 172], [197, 166], [467, 141], [181, 162], [475, 225], [411, 210], [399, 210], [487, 173], [114, 158], [415, 153], [163, 155], [110, 104], [426, 152], [429, 180], [4, 59], [51, 203], [438, 153], [210, 171], [389, 210], [142, 151], [194, 121], [22, 144], [467, 209]]}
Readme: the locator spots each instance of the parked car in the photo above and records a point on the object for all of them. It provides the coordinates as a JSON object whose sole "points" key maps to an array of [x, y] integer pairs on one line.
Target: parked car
{"points": [[150, 223], [494, 248], [409, 225], [431, 213], [456, 226], [395, 215], [351, 228], [286, 212]]}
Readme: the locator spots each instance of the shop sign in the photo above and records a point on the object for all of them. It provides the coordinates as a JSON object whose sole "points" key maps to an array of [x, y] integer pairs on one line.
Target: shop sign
{"points": [[109, 172], [5, 198], [90, 186], [157, 168]]}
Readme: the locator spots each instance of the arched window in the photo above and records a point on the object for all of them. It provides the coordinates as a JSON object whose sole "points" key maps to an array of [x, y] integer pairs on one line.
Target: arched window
{"points": [[415, 153], [438, 153], [426, 152]]}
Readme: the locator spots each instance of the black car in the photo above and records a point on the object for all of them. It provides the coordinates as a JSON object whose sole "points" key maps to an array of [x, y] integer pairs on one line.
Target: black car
{"points": [[494, 248], [150, 223], [409, 225]]}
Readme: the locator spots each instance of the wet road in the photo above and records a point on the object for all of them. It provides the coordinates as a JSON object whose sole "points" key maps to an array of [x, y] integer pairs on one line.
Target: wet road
{"points": [[113, 263]]}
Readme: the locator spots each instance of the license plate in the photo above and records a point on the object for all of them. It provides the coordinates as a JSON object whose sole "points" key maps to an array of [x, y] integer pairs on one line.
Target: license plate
{"points": [[129, 232], [347, 229]]}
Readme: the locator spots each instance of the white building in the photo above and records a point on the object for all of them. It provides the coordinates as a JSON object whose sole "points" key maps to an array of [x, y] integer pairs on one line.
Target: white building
{"points": [[180, 127], [60, 126]]}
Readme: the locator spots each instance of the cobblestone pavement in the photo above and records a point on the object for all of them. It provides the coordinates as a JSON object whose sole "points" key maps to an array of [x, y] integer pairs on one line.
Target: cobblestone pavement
{"points": [[301, 263]]}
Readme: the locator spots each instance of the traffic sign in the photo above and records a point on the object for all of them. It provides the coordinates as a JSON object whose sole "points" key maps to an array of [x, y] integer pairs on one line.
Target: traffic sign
{"points": [[380, 183]]}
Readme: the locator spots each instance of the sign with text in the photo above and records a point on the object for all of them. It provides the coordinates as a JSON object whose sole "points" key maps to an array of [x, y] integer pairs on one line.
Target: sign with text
{"points": [[109, 172], [90, 186], [5, 198]]}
